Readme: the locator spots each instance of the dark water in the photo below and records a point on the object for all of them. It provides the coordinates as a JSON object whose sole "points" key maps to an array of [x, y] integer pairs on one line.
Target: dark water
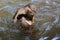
{"points": [[47, 20]]}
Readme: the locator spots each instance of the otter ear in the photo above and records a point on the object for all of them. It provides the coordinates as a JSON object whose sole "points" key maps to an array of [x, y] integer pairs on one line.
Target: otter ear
{"points": [[33, 8]]}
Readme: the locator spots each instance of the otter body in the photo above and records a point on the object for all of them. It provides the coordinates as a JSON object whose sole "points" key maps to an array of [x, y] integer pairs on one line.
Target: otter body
{"points": [[25, 16]]}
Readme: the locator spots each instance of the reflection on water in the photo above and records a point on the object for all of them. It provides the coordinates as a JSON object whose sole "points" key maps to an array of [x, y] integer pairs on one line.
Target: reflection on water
{"points": [[47, 20], [57, 37]]}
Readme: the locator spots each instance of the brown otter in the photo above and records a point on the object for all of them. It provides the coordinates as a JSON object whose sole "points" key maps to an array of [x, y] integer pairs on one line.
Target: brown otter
{"points": [[25, 15]]}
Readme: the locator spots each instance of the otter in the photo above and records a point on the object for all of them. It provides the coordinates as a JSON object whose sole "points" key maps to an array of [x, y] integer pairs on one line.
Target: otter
{"points": [[25, 15]]}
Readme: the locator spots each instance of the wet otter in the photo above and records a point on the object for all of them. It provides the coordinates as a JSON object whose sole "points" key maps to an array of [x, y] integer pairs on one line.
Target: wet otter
{"points": [[25, 15]]}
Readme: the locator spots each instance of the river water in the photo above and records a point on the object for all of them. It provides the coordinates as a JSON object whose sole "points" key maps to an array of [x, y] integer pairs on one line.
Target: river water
{"points": [[47, 20]]}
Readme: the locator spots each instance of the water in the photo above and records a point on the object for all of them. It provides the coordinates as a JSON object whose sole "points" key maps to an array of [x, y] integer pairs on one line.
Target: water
{"points": [[47, 20]]}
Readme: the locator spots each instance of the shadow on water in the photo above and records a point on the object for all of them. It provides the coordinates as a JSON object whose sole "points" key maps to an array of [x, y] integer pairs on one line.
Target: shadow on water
{"points": [[47, 20]]}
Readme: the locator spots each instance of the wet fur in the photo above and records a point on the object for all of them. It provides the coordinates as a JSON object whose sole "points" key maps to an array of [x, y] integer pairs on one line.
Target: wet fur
{"points": [[26, 15]]}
